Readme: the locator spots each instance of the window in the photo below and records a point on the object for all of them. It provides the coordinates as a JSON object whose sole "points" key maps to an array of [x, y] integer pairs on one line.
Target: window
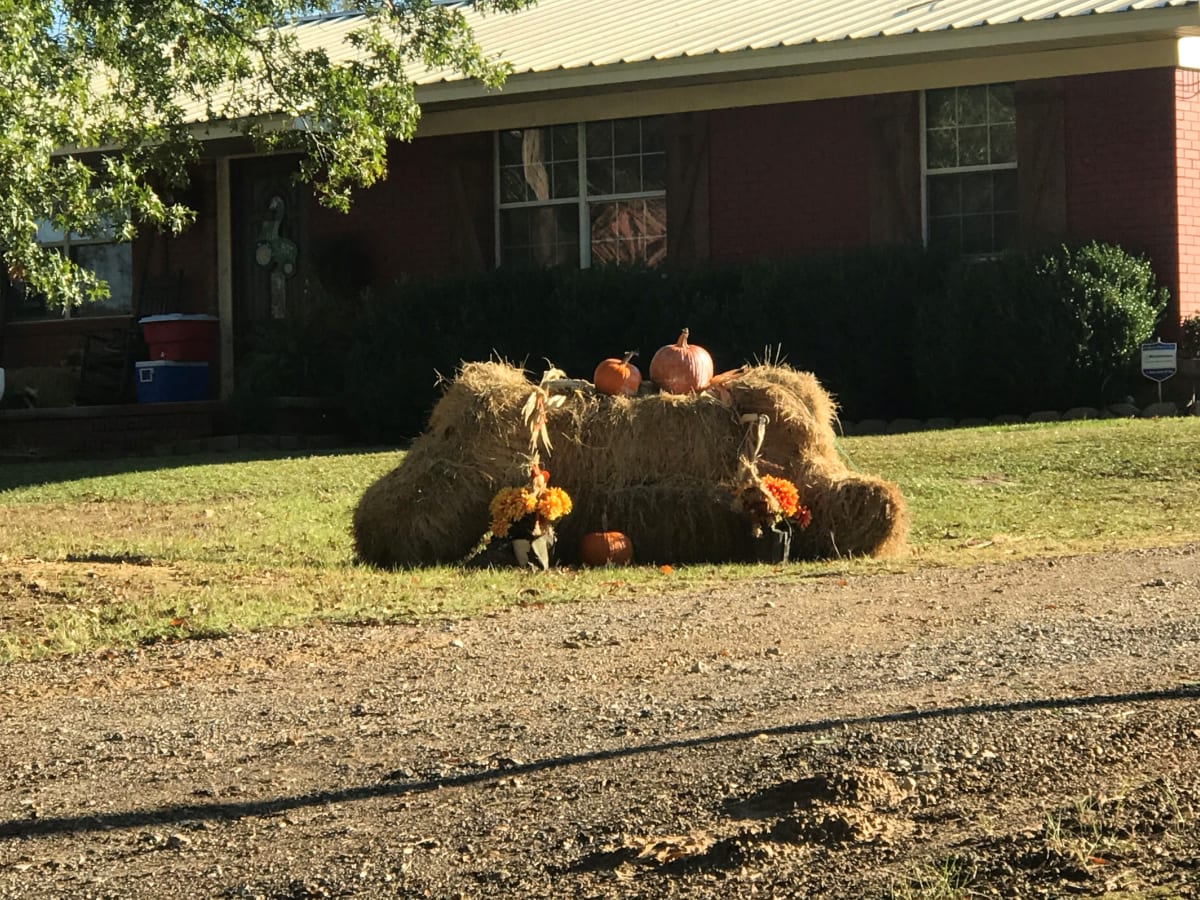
{"points": [[970, 159], [575, 195], [110, 260]]}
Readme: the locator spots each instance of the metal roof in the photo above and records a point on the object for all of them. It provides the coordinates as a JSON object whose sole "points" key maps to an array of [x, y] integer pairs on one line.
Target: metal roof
{"points": [[585, 45], [580, 34]]}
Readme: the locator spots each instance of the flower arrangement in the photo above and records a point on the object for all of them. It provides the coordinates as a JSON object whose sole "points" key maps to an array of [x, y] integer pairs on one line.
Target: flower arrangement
{"points": [[527, 514], [534, 506], [769, 500]]}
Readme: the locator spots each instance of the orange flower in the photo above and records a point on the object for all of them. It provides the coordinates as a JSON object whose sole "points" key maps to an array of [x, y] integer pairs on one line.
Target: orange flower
{"points": [[553, 504], [784, 494]]}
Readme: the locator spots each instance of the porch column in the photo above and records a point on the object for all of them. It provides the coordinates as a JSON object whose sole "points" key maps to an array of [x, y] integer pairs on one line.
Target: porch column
{"points": [[225, 276]]}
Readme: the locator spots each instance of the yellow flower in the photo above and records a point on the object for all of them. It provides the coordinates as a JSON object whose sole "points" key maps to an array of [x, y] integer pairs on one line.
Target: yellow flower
{"points": [[553, 504], [508, 506]]}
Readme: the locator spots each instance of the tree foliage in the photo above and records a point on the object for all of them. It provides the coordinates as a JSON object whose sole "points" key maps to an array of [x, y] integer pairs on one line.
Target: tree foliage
{"points": [[129, 84]]}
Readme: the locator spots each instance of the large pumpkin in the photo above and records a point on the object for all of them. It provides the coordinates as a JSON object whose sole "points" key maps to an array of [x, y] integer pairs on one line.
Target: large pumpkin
{"points": [[602, 548], [618, 377], [681, 368]]}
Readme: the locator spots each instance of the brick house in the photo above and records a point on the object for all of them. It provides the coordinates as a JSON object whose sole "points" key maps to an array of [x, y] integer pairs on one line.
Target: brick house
{"points": [[692, 130]]}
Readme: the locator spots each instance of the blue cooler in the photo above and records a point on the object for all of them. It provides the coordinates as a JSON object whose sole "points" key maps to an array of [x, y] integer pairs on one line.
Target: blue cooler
{"points": [[168, 381]]}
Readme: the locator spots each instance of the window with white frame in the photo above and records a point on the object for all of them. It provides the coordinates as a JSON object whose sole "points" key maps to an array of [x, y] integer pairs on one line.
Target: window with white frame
{"points": [[970, 161], [109, 259], [582, 194]]}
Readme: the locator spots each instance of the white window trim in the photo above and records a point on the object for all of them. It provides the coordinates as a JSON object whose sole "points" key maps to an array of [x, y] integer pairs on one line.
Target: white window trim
{"points": [[582, 200], [954, 170]]}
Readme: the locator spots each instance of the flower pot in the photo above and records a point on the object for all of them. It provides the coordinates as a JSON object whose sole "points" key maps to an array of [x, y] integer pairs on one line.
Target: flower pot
{"points": [[775, 544]]}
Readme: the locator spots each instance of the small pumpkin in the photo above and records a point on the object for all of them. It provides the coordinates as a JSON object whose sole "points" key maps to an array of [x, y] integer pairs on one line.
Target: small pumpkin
{"points": [[681, 368], [618, 377], [602, 548]]}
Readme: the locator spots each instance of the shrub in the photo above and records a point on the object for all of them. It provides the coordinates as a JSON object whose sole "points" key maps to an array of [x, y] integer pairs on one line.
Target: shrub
{"points": [[1021, 333], [1189, 338]]}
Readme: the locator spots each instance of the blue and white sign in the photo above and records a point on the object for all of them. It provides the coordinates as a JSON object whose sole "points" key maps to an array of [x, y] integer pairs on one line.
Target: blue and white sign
{"points": [[1158, 360]]}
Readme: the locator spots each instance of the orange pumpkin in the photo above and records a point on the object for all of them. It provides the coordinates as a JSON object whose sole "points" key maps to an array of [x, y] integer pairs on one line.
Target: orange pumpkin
{"points": [[602, 548], [681, 368], [618, 377]]}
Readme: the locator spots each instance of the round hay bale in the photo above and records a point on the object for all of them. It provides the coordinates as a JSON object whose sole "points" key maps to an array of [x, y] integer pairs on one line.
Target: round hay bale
{"points": [[657, 467]]}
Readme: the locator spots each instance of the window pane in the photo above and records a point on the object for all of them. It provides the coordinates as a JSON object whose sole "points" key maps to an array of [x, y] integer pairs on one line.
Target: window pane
{"points": [[1003, 139], [565, 143], [23, 303], [627, 174], [1002, 107], [941, 149], [944, 196], [599, 176], [940, 108], [976, 192], [599, 139], [512, 185], [1006, 229], [631, 231], [114, 264], [566, 180], [510, 148], [653, 140], [540, 236], [973, 146], [1004, 190], [973, 105], [627, 137], [945, 233], [977, 234]]}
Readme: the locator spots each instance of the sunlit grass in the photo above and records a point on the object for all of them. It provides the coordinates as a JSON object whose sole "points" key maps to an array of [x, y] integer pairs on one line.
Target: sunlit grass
{"points": [[121, 552]]}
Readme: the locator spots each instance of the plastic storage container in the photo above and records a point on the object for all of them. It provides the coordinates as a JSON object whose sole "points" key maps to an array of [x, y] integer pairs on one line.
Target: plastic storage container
{"points": [[168, 381], [181, 338]]}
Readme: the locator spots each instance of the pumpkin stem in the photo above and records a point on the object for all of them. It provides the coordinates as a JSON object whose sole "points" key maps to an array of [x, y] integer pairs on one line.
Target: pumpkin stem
{"points": [[629, 354], [683, 336]]}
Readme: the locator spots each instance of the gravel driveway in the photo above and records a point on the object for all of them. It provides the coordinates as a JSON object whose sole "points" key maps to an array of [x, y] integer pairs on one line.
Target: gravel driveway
{"points": [[1028, 729]]}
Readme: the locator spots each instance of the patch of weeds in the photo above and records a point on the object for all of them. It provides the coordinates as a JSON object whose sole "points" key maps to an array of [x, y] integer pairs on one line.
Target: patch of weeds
{"points": [[1088, 835], [947, 879]]}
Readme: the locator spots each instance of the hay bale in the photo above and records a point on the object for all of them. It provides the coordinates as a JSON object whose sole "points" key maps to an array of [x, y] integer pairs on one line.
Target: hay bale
{"points": [[657, 467]]}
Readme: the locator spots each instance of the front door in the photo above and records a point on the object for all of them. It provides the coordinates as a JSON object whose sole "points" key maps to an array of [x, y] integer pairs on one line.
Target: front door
{"points": [[270, 240]]}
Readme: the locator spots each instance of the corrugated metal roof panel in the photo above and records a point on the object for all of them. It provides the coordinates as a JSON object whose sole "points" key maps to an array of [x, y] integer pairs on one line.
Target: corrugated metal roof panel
{"points": [[565, 35]]}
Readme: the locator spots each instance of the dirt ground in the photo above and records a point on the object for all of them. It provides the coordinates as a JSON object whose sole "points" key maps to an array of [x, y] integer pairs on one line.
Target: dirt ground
{"points": [[1028, 729]]}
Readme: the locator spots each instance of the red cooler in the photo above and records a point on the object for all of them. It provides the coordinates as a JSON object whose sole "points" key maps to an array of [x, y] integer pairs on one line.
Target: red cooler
{"points": [[181, 338]]}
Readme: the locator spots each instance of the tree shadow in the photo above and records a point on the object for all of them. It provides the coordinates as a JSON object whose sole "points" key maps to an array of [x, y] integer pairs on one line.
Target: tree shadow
{"points": [[393, 786], [32, 473]]}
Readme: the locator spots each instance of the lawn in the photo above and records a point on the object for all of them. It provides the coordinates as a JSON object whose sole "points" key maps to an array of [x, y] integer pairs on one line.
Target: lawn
{"points": [[104, 555]]}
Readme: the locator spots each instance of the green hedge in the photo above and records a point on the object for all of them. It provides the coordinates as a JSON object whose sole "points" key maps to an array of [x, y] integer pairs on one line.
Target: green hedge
{"points": [[1046, 331], [891, 332]]}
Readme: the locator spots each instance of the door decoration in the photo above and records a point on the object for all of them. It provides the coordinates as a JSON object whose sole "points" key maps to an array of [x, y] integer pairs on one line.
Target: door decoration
{"points": [[277, 253]]}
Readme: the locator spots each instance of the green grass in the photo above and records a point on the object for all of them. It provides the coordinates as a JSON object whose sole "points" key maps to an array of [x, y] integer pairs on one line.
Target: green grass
{"points": [[115, 553]]}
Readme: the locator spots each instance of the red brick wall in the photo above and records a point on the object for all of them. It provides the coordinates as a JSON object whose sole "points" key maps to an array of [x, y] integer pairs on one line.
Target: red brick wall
{"points": [[416, 222], [789, 178], [1120, 160], [1187, 156]]}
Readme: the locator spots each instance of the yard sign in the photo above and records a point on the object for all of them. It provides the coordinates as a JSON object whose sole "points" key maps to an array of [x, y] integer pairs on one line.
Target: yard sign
{"points": [[1158, 360]]}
